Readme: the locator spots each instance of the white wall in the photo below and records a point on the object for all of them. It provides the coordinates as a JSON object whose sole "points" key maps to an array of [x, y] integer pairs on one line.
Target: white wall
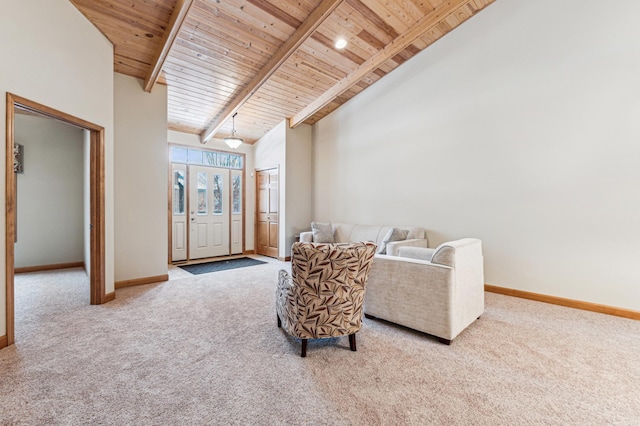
{"points": [[188, 139], [53, 55], [50, 195], [141, 167], [520, 128], [298, 183]]}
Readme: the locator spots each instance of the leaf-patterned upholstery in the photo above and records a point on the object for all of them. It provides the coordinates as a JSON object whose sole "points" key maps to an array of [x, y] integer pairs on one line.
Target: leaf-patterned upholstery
{"points": [[324, 295]]}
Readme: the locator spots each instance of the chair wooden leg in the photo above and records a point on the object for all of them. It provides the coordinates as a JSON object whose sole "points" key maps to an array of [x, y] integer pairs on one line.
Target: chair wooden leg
{"points": [[279, 322], [304, 348], [352, 341]]}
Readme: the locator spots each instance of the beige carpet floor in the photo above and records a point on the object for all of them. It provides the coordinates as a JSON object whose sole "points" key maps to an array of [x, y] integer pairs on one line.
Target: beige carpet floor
{"points": [[206, 350]]}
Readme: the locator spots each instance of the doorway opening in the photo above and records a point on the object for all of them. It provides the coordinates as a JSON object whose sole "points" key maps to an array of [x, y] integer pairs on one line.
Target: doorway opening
{"points": [[96, 190]]}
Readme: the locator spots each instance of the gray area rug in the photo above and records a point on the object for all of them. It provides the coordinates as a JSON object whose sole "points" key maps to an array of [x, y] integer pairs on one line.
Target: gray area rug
{"points": [[205, 350], [220, 265]]}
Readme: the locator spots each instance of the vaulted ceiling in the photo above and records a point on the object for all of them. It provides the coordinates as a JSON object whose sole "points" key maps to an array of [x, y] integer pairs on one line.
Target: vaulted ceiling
{"points": [[266, 60]]}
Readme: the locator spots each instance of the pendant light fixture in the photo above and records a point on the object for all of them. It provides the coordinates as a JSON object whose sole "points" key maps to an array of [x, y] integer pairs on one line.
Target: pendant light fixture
{"points": [[233, 141]]}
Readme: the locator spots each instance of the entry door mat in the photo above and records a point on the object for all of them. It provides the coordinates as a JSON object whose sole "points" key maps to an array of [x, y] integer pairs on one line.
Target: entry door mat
{"points": [[221, 265]]}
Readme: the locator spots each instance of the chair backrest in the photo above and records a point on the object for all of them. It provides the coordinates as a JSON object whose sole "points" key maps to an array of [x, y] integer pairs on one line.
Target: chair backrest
{"points": [[347, 263], [331, 281]]}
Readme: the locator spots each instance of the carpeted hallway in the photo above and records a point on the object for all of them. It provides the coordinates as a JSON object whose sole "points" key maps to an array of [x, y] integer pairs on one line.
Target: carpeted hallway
{"points": [[206, 350]]}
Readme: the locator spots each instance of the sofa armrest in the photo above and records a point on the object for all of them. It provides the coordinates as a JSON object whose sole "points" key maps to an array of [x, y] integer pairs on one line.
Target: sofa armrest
{"points": [[394, 246], [306, 237], [424, 266], [416, 252], [409, 292], [429, 297]]}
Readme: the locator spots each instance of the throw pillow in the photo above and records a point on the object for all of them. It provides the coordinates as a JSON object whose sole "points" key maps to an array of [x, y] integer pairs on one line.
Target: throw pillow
{"points": [[322, 232], [394, 234]]}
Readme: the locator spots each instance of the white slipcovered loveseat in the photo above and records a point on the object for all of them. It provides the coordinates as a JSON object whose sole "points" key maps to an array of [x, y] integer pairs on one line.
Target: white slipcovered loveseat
{"points": [[354, 233], [437, 291]]}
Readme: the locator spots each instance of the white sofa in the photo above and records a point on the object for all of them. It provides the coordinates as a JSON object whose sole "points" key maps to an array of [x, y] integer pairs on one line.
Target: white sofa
{"points": [[437, 291], [354, 233]]}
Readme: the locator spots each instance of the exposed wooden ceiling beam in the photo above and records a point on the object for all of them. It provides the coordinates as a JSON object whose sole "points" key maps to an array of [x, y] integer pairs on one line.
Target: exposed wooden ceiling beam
{"points": [[304, 31], [396, 46], [173, 28]]}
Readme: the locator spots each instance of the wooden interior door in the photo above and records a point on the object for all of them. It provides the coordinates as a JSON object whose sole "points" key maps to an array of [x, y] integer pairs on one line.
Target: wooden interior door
{"points": [[267, 212]]}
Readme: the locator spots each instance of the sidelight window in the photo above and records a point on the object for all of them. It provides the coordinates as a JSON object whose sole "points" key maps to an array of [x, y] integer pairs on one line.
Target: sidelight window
{"points": [[178, 192], [236, 199]]}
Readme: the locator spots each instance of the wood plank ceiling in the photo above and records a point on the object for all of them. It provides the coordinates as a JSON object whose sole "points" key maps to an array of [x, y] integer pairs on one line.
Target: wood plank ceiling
{"points": [[266, 60]]}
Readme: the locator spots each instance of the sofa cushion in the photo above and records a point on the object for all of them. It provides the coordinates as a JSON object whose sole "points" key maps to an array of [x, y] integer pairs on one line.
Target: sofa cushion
{"points": [[366, 233], [322, 232], [342, 232], [394, 234], [416, 232], [352, 233]]}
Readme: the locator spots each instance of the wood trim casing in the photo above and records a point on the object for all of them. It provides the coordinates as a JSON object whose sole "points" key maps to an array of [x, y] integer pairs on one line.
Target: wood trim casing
{"points": [[97, 197], [10, 223], [38, 268], [3, 342], [97, 210], [51, 113], [141, 281], [570, 303], [109, 297]]}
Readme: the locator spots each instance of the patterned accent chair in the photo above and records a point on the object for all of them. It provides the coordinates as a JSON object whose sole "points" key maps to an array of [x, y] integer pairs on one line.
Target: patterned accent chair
{"points": [[324, 295]]}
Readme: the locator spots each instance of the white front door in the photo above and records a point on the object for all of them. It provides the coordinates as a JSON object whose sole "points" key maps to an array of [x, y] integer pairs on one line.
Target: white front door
{"points": [[208, 212]]}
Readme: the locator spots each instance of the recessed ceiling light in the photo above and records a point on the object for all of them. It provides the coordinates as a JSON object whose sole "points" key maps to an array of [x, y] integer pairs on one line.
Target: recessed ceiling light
{"points": [[340, 43]]}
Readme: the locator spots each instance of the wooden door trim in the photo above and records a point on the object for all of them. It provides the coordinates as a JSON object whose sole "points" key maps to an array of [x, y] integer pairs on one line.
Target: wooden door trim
{"points": [[97, 205]]}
